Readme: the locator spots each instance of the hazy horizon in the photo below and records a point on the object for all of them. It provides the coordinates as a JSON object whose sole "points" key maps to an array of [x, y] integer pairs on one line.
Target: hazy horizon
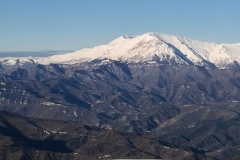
{"points": [[30, 53]]}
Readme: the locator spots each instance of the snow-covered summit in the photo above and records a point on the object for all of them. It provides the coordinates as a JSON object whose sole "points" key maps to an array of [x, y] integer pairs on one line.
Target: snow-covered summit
{"points": [[154, 48]]}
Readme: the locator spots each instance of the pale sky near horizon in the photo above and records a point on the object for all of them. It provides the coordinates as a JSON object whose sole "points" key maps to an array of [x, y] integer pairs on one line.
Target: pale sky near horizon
{"points": [[35, 25]]}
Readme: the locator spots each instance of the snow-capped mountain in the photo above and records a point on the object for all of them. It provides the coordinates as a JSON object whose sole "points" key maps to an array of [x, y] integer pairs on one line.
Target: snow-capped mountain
{"points": [[151, 48]]}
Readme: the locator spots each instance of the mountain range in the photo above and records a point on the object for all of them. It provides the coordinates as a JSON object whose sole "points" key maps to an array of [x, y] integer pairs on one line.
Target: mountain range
{"points": [[169, 88]]}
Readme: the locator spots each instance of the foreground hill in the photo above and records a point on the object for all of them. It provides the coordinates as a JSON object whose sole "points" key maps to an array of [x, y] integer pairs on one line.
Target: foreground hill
{"points": [[27, 138]]}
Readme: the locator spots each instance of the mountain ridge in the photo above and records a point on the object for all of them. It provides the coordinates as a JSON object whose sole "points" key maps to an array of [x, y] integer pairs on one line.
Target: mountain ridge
{"points": [[151, 48]]}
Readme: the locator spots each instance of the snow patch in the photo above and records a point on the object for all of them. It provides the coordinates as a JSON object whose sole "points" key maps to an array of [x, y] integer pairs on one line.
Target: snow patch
{"points": [[51, 104], [75, 114]]}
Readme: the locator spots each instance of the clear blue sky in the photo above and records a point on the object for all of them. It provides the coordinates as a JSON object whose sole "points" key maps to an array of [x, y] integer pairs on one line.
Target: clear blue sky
{"points": [[33, 25]]}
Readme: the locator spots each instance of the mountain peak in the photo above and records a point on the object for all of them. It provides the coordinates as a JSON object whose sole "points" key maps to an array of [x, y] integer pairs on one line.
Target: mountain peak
{"points": [[149, 47]]}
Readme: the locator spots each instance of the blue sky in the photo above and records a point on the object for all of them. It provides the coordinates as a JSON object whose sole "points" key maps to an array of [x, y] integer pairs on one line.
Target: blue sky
{"points": [[34, 25]]}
